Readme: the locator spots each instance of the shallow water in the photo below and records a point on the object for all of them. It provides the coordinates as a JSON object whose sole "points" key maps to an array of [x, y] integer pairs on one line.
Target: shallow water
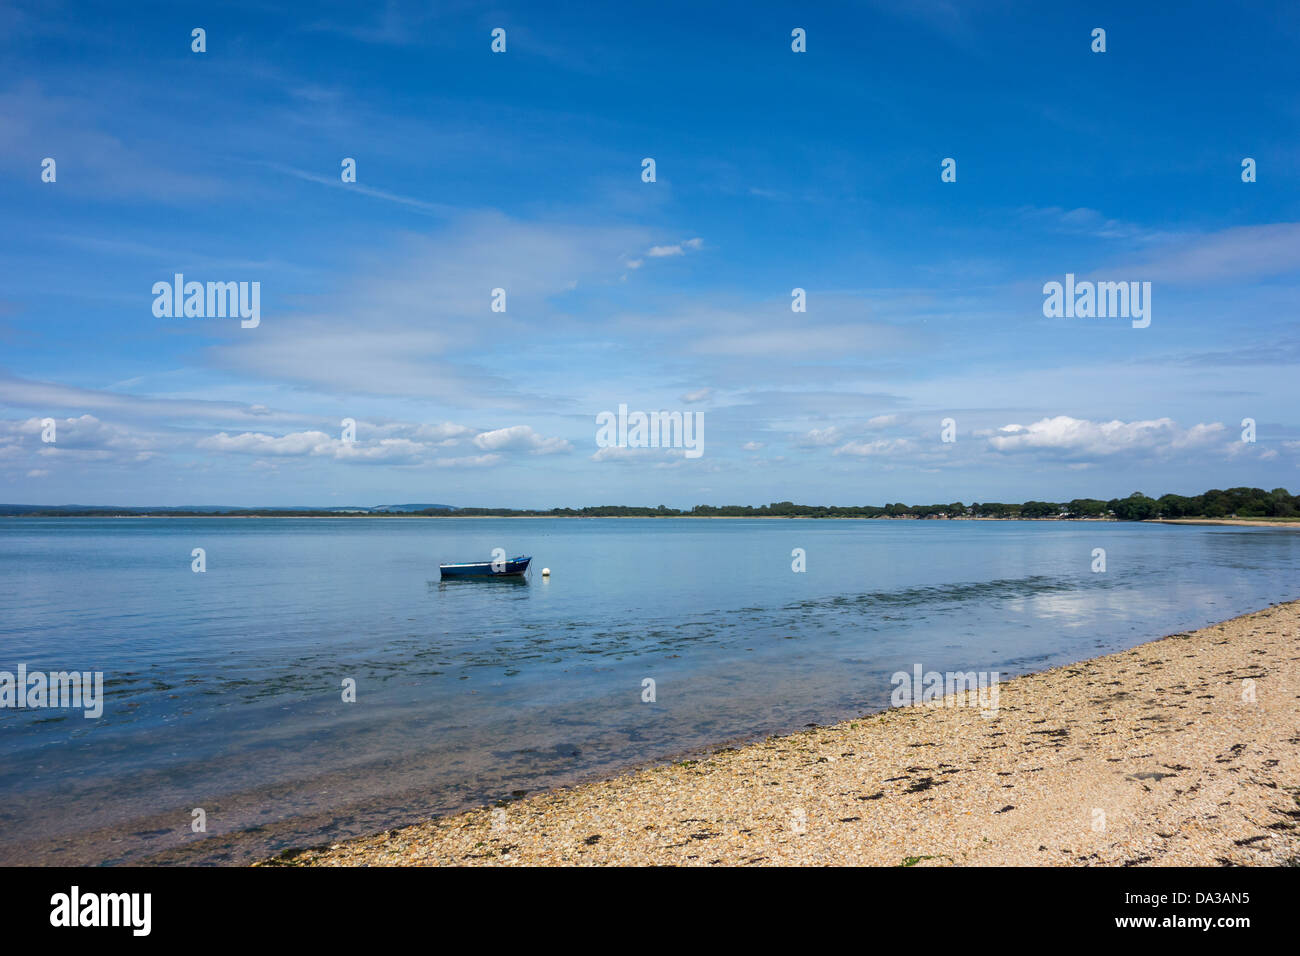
{"points": [[223, 689]]}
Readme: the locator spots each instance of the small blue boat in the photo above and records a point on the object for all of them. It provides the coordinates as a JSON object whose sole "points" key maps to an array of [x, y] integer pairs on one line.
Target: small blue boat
{"points": [[515, 567]]}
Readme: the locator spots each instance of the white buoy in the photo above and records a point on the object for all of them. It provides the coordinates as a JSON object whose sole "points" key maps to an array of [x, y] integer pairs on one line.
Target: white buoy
{"points": [[546, 572]]}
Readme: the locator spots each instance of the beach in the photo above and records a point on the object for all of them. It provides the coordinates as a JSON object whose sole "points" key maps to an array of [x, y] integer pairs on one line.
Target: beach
{"points": [[1179, 751]]}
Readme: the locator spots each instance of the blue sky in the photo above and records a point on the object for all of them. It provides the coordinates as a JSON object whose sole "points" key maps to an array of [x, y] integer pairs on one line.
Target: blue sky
{"points": [[522, 171]]}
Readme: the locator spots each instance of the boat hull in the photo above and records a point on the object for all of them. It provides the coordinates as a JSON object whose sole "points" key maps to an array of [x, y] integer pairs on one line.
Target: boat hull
{"points": [[515, 567]]}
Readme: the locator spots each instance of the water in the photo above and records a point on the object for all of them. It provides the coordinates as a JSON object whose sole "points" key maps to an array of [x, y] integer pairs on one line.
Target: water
{"points": [[223, 690]]}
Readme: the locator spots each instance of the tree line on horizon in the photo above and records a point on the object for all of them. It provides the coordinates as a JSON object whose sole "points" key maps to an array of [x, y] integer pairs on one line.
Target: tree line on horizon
{"points": [[1216, 503]]}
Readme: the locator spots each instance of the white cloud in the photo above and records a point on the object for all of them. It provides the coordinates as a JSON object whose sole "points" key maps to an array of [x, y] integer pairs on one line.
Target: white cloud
{"points": [[109, 166], [473, 461], [618, 453], [257, 443], [86, 433], [398, 444], [1238, 254], [316, 444], [386, 449], [447, 433], [520, 438], [419, 324], [678, 249], [883, 446], [821, 437], [666, 251], [1075, 437], [33, 394], [433, 208]]}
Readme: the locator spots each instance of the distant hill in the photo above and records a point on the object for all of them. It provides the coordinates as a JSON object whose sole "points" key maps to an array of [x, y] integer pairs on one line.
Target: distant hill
{"points": [[412, 508]]}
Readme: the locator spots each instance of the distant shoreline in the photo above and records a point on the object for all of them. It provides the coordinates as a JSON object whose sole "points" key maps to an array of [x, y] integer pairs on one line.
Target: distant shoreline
{"points": [[1278, 507], [1238, 522]]}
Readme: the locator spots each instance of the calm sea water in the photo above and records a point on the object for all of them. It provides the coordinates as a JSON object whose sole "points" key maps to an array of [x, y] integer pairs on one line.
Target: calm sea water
{"points": [[223, 689]]}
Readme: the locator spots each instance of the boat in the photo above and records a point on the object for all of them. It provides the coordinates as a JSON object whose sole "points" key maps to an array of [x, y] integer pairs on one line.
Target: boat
{"points": [[515, 567]]}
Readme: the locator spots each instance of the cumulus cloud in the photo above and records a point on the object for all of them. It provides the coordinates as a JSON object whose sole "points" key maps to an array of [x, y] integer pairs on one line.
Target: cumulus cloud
{"points": [[443, 435], [393, 443], [386, 449], [257, 443], [666, 251], [1080, 438], [444, 432], [520, 438], [470, 461], [86, 432], [317, 445], [84, 438], [619, 453], [821, 437], [882, 446], [678, 249], [88, 439]]}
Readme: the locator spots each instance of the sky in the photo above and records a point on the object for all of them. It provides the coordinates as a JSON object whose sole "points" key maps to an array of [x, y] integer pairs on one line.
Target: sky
{"points": [[522, 170]]}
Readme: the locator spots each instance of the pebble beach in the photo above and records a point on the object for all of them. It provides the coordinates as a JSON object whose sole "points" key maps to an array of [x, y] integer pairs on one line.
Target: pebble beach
{"points": [[1181, 751]]}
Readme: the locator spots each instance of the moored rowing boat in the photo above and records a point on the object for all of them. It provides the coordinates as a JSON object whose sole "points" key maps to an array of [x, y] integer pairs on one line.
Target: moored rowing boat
{"points": [[516, 566]]}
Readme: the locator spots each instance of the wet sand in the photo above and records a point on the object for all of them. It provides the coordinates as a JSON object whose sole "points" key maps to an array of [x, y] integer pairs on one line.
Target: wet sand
{"points": [[1184, 750]]}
